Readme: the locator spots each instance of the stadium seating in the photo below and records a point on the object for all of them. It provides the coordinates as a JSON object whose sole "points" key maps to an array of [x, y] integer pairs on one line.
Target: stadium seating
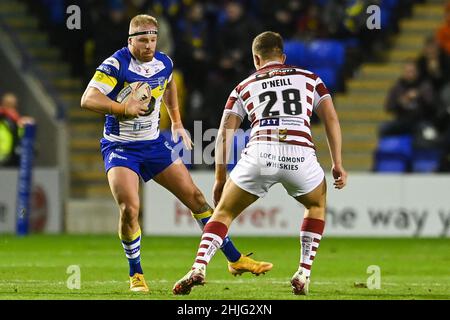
{"points": [[325, 53], [295, 53], [323, 57], [329, 77], [394, 153], [426, 160], [390, 163]]}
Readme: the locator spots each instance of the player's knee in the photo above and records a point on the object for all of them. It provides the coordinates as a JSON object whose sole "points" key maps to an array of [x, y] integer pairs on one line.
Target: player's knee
{"points": [[223, 211], [128, 212], [315, 204], [316, 211]]}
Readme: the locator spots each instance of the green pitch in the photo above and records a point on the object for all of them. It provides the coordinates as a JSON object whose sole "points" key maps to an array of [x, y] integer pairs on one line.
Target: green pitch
{"points": [[35, 267]]}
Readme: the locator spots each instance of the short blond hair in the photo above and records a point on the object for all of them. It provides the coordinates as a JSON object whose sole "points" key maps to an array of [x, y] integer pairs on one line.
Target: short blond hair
{"points": [[268, 45], [141, 20]]}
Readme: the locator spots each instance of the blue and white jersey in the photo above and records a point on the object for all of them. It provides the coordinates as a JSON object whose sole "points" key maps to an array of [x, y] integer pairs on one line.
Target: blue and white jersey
{"points": [[117, 72]]}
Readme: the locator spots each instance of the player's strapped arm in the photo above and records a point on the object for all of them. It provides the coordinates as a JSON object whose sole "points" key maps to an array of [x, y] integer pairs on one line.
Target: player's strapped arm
{"points": [[327, 114], [171, 100]]}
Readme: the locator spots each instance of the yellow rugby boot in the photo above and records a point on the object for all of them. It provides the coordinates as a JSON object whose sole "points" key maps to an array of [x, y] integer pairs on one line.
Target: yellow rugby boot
{"points": [[137, 283], [247, 264]]}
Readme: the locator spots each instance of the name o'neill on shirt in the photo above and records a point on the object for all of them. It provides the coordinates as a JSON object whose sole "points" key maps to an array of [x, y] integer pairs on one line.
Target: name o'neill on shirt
{"points": [[276, 83]]}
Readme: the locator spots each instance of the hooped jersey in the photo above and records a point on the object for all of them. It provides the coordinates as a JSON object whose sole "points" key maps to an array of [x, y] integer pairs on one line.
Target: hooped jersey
{"points": [[278, 100], [117, 72]]}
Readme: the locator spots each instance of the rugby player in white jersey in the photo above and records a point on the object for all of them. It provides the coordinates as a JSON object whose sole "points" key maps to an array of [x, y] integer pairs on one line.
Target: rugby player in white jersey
{"points": [[279, 100], [133, 148]]}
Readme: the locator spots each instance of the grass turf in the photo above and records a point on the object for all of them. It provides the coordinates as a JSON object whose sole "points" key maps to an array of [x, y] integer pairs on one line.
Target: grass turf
{"points": [[35, 267]]}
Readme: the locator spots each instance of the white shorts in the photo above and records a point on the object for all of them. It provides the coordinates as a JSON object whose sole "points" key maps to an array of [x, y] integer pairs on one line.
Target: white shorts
{"points": [[263, 165]]}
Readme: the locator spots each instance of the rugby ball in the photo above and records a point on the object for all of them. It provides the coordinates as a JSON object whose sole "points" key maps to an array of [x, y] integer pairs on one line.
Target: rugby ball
{"points": [[142, 92]]}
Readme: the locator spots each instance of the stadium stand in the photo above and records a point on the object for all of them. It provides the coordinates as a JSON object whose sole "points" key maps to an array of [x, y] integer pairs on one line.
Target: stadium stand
{"points": [[394, 154], [358, 65]]}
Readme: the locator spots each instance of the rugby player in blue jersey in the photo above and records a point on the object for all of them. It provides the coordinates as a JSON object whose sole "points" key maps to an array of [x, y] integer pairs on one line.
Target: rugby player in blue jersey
{"points": [[133, 148]]}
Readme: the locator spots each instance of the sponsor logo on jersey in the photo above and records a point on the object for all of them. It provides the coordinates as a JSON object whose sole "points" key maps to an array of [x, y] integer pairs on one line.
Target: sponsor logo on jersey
{"points": [[161, 81], [282, 134], [141, 126], [105, 69], [112, 62], [148, 69], [168, 145], [269, 122], [274, 73]]}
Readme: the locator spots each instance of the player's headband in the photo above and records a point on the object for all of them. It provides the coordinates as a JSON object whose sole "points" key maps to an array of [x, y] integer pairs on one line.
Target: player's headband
{"points": [[143, 32]]}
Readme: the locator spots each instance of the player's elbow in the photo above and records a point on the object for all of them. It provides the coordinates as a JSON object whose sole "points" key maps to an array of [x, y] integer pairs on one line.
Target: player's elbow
{"points": [[86, 100], [332, 117], [327, 113]]}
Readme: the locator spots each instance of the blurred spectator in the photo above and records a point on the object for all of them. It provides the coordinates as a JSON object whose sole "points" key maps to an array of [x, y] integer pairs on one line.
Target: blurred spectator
{"points": [[443, 125], [9, 108], [228, 62], [280, 16], [333, 14], [444, 111], [233, 39], [169, 8], [433, 64], [355, 16], [411, 101], [11, 129], [135, 7], [211, 39], [443, 33], [310, 25], [193, 56], [8, 141], [193, 47], [165, 42], [111, 32]]}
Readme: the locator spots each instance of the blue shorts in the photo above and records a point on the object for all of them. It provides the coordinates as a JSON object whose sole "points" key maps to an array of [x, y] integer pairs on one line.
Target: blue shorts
{"points": [[146, 158]]}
